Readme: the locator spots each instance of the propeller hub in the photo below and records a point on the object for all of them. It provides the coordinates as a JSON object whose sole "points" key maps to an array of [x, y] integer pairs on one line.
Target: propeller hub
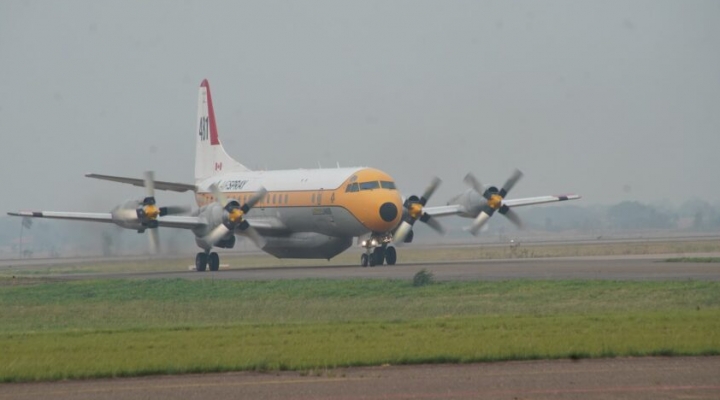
{"points": [[495, 201], [235, 215], [415, 210], [151, 211]]}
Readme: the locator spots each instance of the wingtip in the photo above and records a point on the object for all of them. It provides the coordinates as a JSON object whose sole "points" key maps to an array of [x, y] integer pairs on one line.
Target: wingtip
{"points": [[205, 83]]}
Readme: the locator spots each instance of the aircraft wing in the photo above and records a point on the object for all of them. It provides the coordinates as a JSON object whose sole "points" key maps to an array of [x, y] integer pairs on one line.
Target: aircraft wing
{"points": [[181, 221], [77, 216], [442, 211], [456, 209], [169, 221], [528, 201], [159, 185]]}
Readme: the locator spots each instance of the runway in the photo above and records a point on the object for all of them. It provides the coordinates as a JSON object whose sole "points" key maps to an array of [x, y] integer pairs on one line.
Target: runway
{"points": [[644, 267], [622, 378]]}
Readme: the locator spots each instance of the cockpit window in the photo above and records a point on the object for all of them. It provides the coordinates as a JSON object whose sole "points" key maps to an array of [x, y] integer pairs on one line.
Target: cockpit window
{"points": [[387, 185], [369, 185], [355, 187]]}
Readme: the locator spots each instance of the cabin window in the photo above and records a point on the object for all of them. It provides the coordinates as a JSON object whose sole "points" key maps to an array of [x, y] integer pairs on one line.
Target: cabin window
{"points": [[387, 185], [369, 185]]}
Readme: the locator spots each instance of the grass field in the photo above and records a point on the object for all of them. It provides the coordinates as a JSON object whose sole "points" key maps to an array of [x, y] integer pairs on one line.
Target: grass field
{"points": [[80, 329]]}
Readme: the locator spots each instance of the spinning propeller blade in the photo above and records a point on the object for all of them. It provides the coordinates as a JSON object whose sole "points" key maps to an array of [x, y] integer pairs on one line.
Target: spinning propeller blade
{"points": [[494, 201], [414, 211], [234, 217]]}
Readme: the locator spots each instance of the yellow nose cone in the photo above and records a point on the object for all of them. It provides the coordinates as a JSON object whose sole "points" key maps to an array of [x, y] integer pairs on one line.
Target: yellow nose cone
{"points": [[378, 209]]}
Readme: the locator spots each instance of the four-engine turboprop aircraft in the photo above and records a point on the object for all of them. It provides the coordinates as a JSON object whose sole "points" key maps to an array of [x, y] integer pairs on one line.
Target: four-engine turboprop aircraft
{"points": [[301, 213]]}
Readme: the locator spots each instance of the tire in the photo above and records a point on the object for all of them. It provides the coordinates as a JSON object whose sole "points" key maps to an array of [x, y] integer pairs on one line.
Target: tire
{"points": [[378, 255], [364, 260], [201, 260], [214, 261], [390, 256]]}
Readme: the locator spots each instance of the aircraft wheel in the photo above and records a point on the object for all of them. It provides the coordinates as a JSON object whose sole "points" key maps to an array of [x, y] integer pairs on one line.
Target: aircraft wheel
{"points": [[364, 260], [390, 256], [201, 260], [214, 261], [378, 255]]}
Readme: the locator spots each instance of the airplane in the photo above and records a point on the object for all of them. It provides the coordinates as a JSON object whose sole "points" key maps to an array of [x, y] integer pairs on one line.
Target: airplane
{"points": [[300, 213]]}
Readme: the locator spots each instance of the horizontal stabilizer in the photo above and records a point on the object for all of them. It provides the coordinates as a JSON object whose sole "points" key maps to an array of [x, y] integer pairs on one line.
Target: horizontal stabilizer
{"points": [[159, 185]]}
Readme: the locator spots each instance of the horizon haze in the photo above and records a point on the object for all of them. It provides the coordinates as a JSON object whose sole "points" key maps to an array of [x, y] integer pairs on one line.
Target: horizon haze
{"points": [[612, 100]]}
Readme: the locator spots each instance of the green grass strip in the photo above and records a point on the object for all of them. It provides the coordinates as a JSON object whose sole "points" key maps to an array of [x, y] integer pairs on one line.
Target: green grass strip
{"points": [[81, 329], [130, 304], [50, 356]]}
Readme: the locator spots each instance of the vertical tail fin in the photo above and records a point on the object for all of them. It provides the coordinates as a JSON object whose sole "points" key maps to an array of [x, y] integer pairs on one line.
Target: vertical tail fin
{"points": [[210, 156]]}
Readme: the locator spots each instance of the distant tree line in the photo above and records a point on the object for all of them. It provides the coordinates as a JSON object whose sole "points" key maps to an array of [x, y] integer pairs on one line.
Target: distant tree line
{"points": [[693, 215]]}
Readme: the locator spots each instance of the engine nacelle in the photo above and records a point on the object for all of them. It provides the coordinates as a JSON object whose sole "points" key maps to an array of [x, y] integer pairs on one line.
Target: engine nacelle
{"points": [[226, 242], [409, 237], [491, 191], [409, 200], [470, 202], [126, 216], [215, 215]]}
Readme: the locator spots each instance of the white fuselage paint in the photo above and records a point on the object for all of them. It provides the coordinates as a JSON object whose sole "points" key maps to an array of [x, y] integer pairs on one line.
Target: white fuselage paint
{"points": [[307, 213]]}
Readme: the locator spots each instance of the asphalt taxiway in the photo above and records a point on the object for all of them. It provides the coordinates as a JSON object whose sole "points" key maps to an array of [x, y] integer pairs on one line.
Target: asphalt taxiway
{"points": [[644, 267]]}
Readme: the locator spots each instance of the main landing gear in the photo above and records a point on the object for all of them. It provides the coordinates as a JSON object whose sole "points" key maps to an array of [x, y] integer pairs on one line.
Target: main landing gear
{"points": [[207, 260], [377, 252]]}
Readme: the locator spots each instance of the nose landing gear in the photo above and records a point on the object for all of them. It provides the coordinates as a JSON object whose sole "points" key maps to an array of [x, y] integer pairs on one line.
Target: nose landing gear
{"points": [[377, 252]]}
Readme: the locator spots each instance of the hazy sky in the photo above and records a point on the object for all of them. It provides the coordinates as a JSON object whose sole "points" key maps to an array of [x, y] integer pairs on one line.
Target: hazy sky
{"points": [[614, 100]]}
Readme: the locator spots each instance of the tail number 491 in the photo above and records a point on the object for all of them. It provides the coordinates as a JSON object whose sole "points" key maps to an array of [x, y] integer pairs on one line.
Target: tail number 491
{"points": [[204, 129]]}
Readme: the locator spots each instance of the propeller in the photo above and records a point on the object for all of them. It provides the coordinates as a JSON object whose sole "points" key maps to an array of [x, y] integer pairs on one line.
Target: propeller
{"points": [[234, 217], [414, 211], [148, 212], [494, 201]]}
